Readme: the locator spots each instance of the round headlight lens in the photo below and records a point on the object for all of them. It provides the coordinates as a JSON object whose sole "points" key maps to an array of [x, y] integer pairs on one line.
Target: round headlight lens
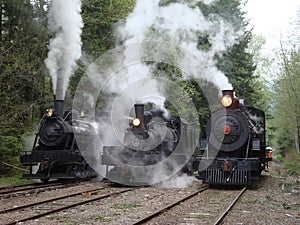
{"points": [[136, 122], [49, 112], [226, 101]]}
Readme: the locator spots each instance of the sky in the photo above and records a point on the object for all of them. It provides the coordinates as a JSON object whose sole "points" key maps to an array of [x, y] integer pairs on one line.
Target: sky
{"points": [[272, 18]]}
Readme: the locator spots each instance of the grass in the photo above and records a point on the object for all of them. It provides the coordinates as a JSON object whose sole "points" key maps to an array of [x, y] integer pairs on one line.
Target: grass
{"points": [[291, 161], [271, 203], [293, 168], [12, 181]]}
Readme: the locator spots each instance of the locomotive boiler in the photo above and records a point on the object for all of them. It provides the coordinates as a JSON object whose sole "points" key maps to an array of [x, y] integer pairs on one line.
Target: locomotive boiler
{"points": [[149, 140], [55, 154], [235, 144]]}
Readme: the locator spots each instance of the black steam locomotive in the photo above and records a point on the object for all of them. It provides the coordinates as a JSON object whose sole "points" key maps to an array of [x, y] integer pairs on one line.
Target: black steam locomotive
{"points": [[156, 147], [55, 154], [152, 145], [235, 144]]}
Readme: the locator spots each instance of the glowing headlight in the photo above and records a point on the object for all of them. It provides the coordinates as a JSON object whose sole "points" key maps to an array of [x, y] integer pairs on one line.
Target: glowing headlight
{"points": [[49, 112], [226, 100], [136, 122]]}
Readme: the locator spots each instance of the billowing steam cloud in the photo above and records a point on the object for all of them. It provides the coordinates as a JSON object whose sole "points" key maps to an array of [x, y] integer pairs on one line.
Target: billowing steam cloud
{"points": [[181, 23], [65, 21]]}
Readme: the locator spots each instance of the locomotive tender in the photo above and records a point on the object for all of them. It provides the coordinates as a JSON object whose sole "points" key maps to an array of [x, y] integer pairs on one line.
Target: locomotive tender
{"points": [[235, 144], [55, 151]]}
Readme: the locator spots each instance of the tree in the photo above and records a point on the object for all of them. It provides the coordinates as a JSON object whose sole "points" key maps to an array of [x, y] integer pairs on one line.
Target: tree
{"points": [[100, 19], [25, 87], [287, 99], [237, 63], [22, 51]]}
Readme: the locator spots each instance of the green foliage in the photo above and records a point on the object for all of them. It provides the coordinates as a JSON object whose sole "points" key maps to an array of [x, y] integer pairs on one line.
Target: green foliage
{"points": [[294, 168], [287, 100], [22, 52], [100, 18], [10, 147], [279, 157], [25, 87]]}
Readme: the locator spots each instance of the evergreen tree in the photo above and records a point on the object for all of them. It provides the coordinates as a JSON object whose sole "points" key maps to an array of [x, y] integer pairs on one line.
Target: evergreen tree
{"points": [[22, 51]]}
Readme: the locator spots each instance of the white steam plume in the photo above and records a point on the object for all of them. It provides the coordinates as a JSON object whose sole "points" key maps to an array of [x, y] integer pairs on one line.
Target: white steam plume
{"points": [[181, 24], [65, 21]]}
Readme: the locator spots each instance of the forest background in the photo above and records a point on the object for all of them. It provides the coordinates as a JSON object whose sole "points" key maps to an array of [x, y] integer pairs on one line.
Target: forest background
{"points": [[26, 86]]}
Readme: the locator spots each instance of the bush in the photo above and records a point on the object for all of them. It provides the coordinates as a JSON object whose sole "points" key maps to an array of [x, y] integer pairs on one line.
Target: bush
{"points": [[279, 157], [9, 153], [293, 168]]}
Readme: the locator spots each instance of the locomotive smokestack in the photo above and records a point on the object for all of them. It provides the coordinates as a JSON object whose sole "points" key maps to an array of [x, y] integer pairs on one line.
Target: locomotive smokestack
{"points": [[139, 111], [59, 107], [228, 92]]}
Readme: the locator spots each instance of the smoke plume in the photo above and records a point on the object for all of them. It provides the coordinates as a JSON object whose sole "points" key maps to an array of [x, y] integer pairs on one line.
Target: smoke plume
{"points": [[181, 23], [65, 21]]}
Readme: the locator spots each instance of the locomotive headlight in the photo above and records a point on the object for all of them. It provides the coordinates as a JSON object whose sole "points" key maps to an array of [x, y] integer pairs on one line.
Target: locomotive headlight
{"points": [[226, 101], [49, 112], [136, 122]]}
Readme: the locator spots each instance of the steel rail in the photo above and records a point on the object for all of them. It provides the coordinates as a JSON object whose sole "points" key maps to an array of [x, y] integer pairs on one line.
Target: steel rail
{"points": [[16, 186], [223, 215], [48, 200], [68, 207], [15, 189], [160, 211]]}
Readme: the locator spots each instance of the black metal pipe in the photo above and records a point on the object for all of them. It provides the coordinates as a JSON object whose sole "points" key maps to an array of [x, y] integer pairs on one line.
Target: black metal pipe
{"points": [[59, 107], [139, 111]]}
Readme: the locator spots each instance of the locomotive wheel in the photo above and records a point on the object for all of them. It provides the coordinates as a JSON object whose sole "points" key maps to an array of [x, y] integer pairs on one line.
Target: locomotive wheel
{"points": [[228, 132]]}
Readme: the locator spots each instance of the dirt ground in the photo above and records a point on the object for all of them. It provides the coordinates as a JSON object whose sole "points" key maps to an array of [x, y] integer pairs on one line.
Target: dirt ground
{"points": [[275, 199]]}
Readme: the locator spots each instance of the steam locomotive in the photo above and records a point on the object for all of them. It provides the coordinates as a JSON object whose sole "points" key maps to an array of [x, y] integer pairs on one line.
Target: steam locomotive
{"points": [[152, 145], [235, 144], [55, 154], [156, 146]]}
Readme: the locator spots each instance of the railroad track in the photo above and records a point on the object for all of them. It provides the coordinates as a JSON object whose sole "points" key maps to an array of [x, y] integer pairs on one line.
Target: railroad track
{"points": [[168, 207], [53, 205], [165, 209], [224, 214], [29, 187], [209, 206]]}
